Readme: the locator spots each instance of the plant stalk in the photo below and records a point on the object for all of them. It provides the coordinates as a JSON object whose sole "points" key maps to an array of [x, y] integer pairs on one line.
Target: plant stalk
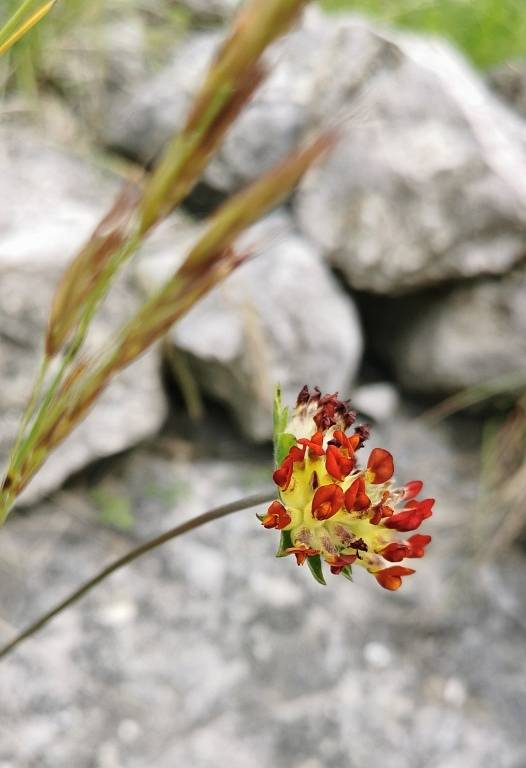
{"points": [[129, 557]]}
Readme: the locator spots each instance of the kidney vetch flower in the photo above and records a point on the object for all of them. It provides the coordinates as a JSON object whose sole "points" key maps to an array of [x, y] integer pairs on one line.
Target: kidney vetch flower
{"points": [[329, 507]]}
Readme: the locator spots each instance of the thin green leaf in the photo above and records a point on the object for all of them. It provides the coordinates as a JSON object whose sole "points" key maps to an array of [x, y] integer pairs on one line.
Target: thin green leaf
{"points": [[284, 544], [316, 568], [347, 572]]}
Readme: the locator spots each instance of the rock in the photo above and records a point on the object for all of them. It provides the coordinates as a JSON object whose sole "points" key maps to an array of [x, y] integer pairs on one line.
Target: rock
{"points": [[49, 203], [98, 60], [110, 55], [139, 125], [125, 58], [462, 338], [281, 317], [423, 186], [268, 129], [509, 81], [378, 401]]}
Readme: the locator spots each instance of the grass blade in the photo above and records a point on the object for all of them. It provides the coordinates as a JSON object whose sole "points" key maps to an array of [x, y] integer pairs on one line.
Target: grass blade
{"points": [[18, 26]]}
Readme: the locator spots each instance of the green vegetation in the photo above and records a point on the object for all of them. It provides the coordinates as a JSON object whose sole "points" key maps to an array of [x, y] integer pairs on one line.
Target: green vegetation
{"points": [[489, 31], [114, 508], [27, 54], [168, 493], [77, 25]]}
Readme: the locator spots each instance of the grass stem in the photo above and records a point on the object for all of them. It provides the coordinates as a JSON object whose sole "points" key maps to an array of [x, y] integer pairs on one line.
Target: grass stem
{"points": [[129, 557]]}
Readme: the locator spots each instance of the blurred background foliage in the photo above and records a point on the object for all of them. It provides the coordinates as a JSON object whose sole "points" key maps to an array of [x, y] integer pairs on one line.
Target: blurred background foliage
{"points": [[488, 31], [80, 25]]}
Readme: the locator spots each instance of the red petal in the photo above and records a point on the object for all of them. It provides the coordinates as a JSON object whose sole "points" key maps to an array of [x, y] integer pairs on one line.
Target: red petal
{"points": [[337, 464], [412, 516], [276, 517], [391, 578], [302, 552], [339, 562], [297, 454], [283, 473], [395, 552], [354, 441], [314, 444], [327, 501], [412, 489], [341, 437], [381, 465], [346, 442], [356, 500], [379, 512], [405, 521], [425, 506], [417, 545]]}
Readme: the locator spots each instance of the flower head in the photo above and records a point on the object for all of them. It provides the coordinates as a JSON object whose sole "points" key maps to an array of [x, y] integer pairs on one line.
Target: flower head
{"points": [[331, 507]]}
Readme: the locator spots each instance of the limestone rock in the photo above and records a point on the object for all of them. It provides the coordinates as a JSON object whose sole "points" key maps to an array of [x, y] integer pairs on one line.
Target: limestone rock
{"points": [[424, 186], [281, 317], [269, 128], [93, 64], [378, 401], [457, 339]]}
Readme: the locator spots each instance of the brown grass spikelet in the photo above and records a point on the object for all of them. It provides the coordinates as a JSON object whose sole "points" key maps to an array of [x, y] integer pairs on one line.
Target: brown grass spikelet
{"points": [[81, 277], [65, 391]]}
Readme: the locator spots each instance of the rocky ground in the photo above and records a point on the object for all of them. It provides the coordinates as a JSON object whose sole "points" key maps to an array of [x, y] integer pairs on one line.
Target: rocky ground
{"points": [[210, 652]]}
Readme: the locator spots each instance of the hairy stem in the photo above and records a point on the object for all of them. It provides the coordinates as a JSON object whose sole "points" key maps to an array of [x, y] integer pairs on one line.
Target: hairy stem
{"points": [[134, 554]]}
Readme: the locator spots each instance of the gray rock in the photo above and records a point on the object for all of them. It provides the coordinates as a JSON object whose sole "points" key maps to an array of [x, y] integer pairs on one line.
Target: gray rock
{"points": [[471, 334], [509, 81], [424, 185], [267, 130], [139, 125], [49, 203], [93, 63], [377, 401], [281, 317]]}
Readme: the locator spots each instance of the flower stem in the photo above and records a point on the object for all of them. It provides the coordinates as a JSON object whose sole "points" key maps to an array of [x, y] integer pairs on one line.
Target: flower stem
{"points": [[134, 554]]}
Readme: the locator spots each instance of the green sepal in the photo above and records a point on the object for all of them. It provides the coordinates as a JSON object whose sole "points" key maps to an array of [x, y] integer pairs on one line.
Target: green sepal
{"points": [[284, 543], [315, 568], [283, 441], [347, 572]]}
